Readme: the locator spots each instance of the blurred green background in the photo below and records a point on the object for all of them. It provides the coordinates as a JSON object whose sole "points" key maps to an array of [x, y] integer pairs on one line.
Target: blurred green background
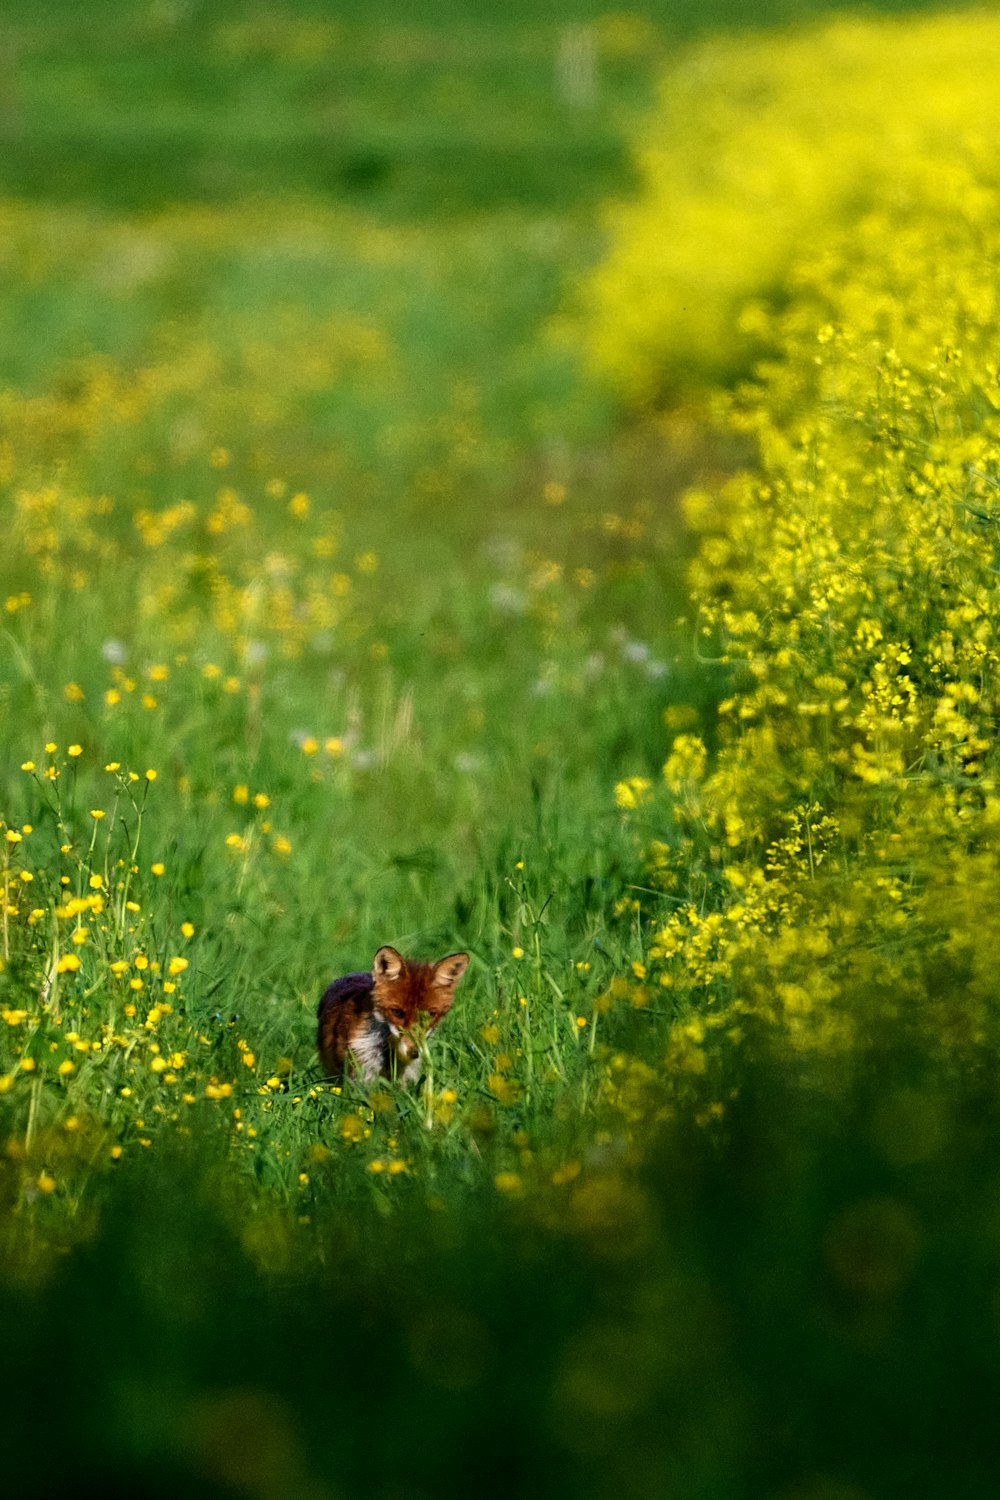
{"points": [[420, 110]]}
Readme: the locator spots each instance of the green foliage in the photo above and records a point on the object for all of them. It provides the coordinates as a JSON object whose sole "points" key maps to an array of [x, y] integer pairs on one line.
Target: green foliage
{"points": [[424, 110], [751, 1316]]}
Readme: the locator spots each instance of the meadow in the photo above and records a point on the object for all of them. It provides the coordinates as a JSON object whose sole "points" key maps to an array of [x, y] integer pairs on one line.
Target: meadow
{"points": [[521, 483]]}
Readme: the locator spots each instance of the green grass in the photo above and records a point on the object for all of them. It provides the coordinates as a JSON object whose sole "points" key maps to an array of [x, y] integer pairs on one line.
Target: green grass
{"points": [[295, 249], [418, 110]]}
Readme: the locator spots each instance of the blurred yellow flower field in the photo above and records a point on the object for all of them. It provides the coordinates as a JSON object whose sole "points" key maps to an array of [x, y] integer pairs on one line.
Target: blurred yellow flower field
{"points": [[761, 150]]}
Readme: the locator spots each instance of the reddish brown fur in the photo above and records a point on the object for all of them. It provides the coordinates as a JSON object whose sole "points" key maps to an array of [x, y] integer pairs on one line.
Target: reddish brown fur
{"points": [[370, 1018]]}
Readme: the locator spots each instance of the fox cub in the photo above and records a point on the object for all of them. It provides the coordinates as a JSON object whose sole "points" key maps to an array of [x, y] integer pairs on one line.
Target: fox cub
{"points": [[374, 1020]]}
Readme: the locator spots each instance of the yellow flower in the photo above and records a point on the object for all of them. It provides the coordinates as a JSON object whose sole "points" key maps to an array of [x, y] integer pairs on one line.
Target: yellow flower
{"points": [[151, 775], [187, 929], [633, 792], [504, 1090], [73, 750], [66, 1067], [45, 1183], [508, 1182], [176, 966], [68, 963], [158, 868]]}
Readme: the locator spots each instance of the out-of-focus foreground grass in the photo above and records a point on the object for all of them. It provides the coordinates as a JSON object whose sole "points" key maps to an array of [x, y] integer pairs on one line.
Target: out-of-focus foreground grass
{"points": [[337, 601]]}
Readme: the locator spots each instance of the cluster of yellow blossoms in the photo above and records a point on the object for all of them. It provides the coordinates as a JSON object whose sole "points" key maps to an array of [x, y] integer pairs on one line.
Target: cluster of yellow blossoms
{"points": [[759, 148], [836, 866], [96, 1052]]}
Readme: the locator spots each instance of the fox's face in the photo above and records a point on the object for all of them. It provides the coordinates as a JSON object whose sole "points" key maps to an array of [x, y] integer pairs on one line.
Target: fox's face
{"points": [[412, 997]]}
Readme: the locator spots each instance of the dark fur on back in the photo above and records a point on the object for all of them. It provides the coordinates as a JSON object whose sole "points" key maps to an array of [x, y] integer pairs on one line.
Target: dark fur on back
{"points": [[345, 1007]]}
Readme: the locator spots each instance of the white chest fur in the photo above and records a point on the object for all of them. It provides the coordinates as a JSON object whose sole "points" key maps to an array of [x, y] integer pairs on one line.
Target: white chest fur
{"points": [[369, 1048]]}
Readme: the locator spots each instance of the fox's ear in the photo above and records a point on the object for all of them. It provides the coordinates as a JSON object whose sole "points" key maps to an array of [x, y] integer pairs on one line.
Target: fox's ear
{"points": [[448, 971], [387, 964]]}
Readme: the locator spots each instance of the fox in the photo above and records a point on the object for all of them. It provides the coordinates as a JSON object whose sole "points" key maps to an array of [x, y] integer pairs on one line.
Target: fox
{"points": [[373, 1021]]}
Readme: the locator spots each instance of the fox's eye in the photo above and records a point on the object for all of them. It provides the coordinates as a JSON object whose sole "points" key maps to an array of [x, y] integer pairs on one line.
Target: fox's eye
{"points": [[397, 1017]]}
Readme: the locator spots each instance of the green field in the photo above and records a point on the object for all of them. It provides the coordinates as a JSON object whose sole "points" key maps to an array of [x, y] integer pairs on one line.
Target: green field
{"points": [[346, 604]]}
